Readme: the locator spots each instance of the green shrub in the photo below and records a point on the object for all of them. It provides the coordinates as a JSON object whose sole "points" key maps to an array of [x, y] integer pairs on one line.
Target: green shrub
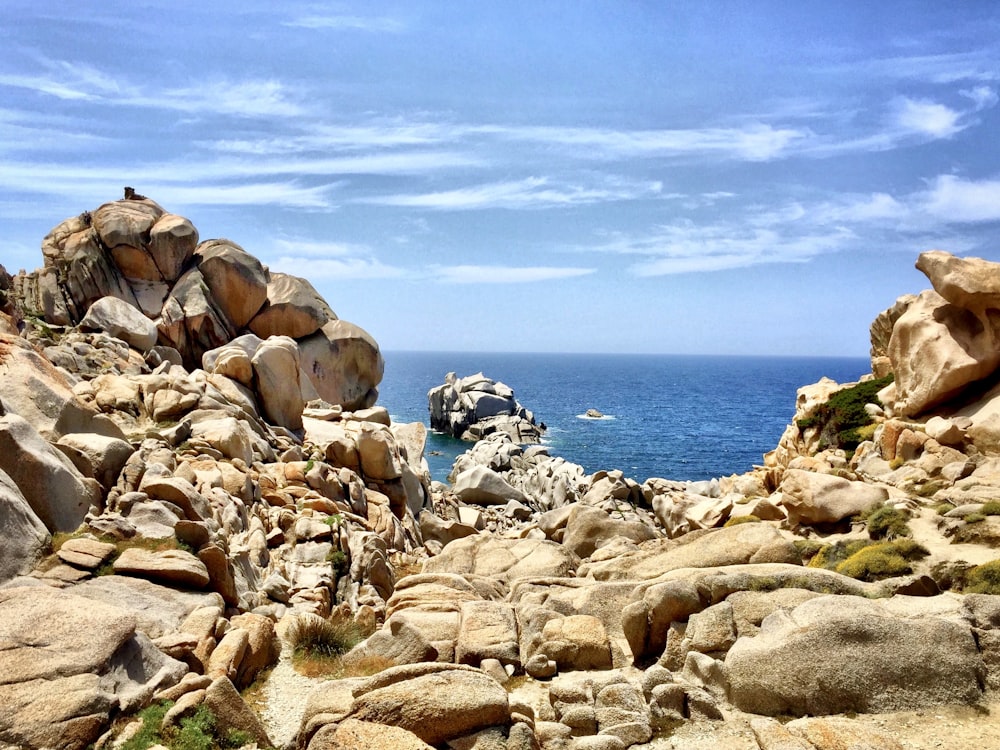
{"points": [[152, 717], [737, 520], [807, 548], [842, 420], [983, 579], [196, 732], [991, 508], [316, 636], [338, 561], [830, 556], [883, 560], [974, 518], [943, 508], [886, 522]]}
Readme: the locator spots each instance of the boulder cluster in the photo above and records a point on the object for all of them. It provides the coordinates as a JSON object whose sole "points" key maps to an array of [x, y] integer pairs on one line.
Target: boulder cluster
{"points": [[473, 407], [186, 485]]}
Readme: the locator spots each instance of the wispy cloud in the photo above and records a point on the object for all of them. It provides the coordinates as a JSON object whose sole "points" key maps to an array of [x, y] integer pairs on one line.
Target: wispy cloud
{"points": [[379, 24], [80, 82], [686, 247], [336, 269], [953, 200], [976, 65], [532, 192], [505, 274]]}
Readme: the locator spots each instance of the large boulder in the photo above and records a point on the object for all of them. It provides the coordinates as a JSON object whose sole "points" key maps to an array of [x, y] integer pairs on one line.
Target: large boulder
{"points": [[480, 486], [23, 537], [69, 665], [191, 320], [37, 391], [836, 654], [293, 308], [937, 349], [236, 279], [276, 377], [124, 227], [969, 283], [811, 498], [435, 702], [503, 558], [57, 493], [344, 364], [123, 321], [172, 242]]}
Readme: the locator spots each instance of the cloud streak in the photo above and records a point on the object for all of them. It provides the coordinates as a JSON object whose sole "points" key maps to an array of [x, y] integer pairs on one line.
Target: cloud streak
{"points": [[472, 274]]}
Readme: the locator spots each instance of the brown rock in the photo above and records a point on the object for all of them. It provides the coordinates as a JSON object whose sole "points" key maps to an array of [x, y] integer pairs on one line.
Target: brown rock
{"points": [[293, 308], [171, 566]]}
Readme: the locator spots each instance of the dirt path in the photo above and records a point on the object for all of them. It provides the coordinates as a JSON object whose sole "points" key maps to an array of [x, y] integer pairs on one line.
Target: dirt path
{"points": [[283, 699]]}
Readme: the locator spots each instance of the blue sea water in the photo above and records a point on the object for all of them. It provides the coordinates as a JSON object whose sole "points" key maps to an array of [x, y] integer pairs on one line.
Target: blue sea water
{"points": [[672, 416]]}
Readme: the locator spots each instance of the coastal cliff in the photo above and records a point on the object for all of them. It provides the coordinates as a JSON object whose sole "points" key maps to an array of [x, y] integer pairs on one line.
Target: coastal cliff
{"points": [[199, 496]]}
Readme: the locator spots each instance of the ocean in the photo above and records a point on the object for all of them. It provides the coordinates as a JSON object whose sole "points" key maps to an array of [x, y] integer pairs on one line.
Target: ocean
{"points": [[672, 416]]}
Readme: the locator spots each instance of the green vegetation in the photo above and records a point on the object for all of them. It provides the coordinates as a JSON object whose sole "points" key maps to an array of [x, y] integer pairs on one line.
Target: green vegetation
{"points": [[886, 522], [807, 549], [991, 509], [874, 562], [338, 560], [842, 420], [195, 732], [974, 518], [737, 520], [983, 579], [943, 508]]}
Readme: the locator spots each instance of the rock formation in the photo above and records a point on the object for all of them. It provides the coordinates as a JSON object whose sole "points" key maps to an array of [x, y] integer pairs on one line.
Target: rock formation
{"points": [[176, 507], [473, 407]]}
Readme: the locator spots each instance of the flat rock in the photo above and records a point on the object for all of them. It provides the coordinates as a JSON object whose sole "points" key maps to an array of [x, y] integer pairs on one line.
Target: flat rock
{"points": [[171, 566]]}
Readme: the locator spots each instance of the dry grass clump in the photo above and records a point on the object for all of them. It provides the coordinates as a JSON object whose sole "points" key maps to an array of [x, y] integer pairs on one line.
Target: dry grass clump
{"points": [[886, 522], [315, 636]]}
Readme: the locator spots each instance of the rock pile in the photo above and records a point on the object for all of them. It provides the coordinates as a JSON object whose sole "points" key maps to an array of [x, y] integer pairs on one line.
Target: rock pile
{"points": [[177, 495], [473, 407]]}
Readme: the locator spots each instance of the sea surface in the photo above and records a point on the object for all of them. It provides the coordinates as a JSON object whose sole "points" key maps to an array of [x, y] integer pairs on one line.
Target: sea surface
{"points": [[671, 416]]}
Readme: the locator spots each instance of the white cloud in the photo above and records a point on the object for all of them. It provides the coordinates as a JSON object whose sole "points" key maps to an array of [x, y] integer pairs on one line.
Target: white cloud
{"points": [[335, 269], [287, 194], [953, 200], [983, 97], [854, 209], [532, 192], [382, 24], [505, 274], [243, 98], [976, 65], [313, 249], [927, 118]]}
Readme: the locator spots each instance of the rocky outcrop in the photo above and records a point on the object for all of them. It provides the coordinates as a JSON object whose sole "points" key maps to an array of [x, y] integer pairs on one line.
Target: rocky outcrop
{"points": [[473, 407], [133, 270]]}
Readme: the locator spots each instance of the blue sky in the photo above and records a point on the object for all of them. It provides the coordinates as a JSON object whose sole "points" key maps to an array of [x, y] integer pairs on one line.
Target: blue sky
{"points": [[680, 177]]}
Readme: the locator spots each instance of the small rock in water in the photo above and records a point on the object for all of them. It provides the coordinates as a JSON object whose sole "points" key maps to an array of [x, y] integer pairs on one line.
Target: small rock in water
{"points": [[594, 414]]}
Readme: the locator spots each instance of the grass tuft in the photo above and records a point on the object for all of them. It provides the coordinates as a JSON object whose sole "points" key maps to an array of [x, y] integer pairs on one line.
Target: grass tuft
{"points": [[886, 522]]}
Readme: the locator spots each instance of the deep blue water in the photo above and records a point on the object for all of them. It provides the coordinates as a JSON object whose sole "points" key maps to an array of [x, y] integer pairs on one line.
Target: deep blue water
{"points": [[674, 416]]}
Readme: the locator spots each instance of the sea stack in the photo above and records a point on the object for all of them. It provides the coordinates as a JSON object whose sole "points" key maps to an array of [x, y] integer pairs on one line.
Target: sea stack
{"points": [[473, 407]]}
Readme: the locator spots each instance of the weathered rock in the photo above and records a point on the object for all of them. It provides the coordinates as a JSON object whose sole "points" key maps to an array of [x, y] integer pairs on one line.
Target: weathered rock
{"points": [[576, 642], [121, 320], [172, 241], [344, 364], [504, 558], [488, 630], [587, 528], [812, 498], [232, 712], [435, 705], [352, 734], [35, 390], [191, 321], [276, 377], [937, 349], [171, 566], [97, 456], [475, 407], [85, 553], [23, 537], [835, 654], [68, 665], [482, 486], [293, 308], [57, 493], [237, 280]]}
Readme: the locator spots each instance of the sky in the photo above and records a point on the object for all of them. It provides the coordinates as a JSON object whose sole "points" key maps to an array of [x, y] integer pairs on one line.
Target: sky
{"points": [[699, 177]]}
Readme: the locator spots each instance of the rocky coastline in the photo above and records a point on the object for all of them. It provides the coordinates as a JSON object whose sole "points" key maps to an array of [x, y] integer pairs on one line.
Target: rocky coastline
{"points": [[195, 472]]}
